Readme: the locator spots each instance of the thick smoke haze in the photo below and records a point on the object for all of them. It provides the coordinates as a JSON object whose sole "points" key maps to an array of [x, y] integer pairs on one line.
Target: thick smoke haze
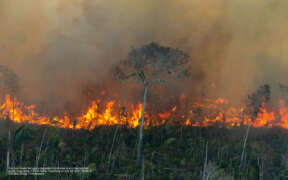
{"points": [[57, 47]]}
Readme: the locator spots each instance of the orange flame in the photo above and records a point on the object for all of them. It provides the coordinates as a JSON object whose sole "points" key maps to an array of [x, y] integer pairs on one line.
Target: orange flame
{"points": [[200, 114]]}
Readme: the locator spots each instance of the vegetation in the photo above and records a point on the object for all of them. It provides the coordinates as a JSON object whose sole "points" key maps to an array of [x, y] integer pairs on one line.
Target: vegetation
{"points": [[170, 152]]}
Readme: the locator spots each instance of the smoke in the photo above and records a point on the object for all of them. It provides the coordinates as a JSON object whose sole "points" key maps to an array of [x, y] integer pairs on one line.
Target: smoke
{"points": [[57, 47]]}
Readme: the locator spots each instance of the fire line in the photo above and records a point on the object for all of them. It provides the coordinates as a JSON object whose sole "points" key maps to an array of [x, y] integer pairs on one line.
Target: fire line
{"points": [[208, 113]]}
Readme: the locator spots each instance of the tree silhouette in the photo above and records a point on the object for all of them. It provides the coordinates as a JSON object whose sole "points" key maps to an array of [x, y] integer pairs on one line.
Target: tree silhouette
{"points": [[150, 64], [8, 81]]}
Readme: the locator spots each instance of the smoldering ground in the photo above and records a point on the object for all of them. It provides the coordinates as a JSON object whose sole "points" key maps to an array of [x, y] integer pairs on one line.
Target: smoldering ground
{"points": [[57, 47]]}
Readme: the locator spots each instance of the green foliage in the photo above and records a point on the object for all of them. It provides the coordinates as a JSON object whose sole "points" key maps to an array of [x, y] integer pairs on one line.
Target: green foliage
{"points": [[22, 134], [169, 141], [169, 153], [54, 143]]}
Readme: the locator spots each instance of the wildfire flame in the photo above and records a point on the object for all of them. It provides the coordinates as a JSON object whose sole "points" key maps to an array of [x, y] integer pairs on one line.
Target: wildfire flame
{"points": [[208, 113]]}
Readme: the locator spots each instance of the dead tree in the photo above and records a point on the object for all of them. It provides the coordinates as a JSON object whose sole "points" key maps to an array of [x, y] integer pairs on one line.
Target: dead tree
{"points": [[151, 64]]}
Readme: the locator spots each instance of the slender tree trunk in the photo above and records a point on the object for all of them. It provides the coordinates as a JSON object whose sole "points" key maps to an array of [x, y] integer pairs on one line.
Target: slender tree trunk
{"points": [[244, 145], [113, 142], [8, 151], [205, 163], [140, 135], [40, 149], [261, 168], [143, 170]]}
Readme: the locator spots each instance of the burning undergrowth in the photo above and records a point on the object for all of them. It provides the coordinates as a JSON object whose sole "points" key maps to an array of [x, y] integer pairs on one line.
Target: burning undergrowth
{"points": [[110, 109]]}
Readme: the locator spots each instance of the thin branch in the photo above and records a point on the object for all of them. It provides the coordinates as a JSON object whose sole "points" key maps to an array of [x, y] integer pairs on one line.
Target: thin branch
{"points": [[159, 81]]}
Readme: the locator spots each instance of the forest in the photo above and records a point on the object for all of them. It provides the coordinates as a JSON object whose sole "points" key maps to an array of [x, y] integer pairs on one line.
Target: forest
{"points": [[143, 90], [203, 140], [169, 152]]}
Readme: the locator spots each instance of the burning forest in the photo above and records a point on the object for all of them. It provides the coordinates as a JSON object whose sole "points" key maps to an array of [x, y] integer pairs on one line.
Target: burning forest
{"points": [[186, 111], [148, 89], [190, 112]]}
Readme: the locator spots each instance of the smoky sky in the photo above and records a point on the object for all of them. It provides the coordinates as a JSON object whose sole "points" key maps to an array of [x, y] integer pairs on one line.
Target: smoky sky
{"points": [[56, 46]]}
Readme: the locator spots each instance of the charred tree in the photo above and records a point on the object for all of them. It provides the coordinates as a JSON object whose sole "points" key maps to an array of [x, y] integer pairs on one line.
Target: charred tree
{"points": [[151, 64]]}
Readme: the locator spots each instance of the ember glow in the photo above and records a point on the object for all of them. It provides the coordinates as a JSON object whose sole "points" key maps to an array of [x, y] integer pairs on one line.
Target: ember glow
{"points": [[206, 112]]}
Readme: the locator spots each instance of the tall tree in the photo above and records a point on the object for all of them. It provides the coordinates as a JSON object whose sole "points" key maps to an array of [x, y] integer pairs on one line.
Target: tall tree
{"points": [[151, 64], [255, 100]]}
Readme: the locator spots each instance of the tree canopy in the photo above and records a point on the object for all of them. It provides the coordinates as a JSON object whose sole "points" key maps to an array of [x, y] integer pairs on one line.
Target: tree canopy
{"points": [[154, 63]]}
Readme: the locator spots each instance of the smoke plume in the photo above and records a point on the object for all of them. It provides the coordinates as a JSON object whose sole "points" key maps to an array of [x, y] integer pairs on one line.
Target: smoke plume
{"points": [[57, 47]]}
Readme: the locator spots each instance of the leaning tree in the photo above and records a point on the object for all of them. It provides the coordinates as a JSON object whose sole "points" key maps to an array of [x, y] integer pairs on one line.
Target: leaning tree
{"points": [[254, 103], [151, 64]]}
